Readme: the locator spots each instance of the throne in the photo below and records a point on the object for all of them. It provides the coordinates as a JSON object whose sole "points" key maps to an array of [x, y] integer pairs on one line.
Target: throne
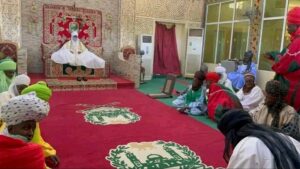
{"points": [[58, 22], [18, 55]]}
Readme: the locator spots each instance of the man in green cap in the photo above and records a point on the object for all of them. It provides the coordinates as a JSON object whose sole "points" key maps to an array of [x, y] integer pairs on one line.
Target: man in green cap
{"points": [[7, 72], [43, 92]]}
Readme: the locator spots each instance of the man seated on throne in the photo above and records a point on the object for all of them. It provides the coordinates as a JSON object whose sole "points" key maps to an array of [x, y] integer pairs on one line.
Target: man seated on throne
{"points": [[75, 53]]}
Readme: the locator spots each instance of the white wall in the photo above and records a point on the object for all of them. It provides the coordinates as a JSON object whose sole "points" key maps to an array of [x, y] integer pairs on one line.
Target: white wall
{"points": [[263, 77]]}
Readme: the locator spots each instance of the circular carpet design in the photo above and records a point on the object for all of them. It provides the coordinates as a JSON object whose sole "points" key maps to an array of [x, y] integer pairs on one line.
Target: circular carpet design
{"points": [[110, 116], [156, 154]]}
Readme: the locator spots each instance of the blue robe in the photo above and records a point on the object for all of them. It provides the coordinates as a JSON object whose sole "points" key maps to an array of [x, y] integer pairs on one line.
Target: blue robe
{"points": [[237, 77]]}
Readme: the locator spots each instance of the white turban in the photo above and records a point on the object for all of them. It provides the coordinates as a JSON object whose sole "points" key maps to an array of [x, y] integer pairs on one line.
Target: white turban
{"points": [[23, 108], [22, 80], [19, 80], [220, 69], [74, 41]]}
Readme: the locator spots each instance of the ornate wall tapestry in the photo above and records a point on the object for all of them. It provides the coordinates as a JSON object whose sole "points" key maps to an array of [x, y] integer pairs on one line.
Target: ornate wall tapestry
{"points": [[58, 23], [60, 20]]}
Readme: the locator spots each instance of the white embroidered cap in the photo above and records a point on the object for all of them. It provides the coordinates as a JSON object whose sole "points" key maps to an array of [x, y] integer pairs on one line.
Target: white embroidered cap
{"points": [[220, 69], [22, 80], [23, 108]]}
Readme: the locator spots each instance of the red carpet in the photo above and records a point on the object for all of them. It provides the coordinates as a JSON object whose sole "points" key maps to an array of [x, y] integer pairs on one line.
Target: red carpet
{"points": [[84, 145]]}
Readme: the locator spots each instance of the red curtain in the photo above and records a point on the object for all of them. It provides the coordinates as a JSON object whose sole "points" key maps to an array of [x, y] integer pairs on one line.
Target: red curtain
{"points": [[166, 58]]}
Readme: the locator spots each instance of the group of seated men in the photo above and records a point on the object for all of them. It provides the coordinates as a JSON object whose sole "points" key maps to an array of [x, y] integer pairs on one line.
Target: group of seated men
{"points": [[212, 92], [22, 106]]}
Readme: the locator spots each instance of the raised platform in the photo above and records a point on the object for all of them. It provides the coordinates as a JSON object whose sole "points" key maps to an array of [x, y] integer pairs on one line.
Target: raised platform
{"points": [[71, 84]]}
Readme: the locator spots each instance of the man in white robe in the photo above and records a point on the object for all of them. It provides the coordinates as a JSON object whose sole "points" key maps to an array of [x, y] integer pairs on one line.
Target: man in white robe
{"points": [[75, 53], [18, 84], [250, 95], [224, 80]]}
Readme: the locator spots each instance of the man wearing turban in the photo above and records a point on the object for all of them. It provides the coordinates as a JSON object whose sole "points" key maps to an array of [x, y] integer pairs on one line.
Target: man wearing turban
{"points": [[287, 63], [237, 77], [20, 115], [7, 72], [219, 97], [75, 53], [250, 95], [223, 80], [41, 91], [15, 88]]}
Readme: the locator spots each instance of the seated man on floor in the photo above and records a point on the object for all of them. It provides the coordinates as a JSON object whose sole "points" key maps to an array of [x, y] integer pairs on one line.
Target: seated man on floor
{"points": [[250, 95], [193, 100], [223, 80], [7, 72], [275, 113], [237, 77], [75, 53], [219, 97], [16, 151], [43, 92], [15, 88]]}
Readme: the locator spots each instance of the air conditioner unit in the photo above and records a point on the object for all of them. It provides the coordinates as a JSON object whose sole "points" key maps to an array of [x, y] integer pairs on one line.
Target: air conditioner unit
{"points": [[193, 52], [145, 43]]}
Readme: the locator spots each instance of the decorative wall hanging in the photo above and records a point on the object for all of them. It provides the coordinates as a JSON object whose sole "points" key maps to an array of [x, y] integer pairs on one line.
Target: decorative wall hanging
{"points": [[60, 20]]}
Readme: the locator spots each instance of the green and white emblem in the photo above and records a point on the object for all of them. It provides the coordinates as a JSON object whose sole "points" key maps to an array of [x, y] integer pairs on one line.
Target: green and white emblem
{"points": [[110, 115], [154, 155]]}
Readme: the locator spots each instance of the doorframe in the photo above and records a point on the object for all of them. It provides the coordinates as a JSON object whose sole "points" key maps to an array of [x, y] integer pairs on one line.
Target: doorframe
{"points": [[186, 28]]}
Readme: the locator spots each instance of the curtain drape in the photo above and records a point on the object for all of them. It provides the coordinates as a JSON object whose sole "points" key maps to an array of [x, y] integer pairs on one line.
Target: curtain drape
{"points": [[166, 59]]}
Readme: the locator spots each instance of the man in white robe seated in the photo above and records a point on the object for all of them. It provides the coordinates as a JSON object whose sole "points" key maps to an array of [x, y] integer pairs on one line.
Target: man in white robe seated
{"points": [[223, 80], [75, 53], [250, 95]]}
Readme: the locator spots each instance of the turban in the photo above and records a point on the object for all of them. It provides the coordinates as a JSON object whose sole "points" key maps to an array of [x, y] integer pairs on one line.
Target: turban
{"points": [[23, 108], [293, 16], [213, 77], [249, 74], [233, 119], [220, 69], [41, 89], [22, 80], [7, 64], [19, 80], [74, 33]]}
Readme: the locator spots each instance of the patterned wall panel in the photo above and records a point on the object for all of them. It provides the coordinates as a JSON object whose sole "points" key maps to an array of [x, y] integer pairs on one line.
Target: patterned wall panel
{"points": [[10, 28], [144, 26], [255, 26], [32, 22], [195, 11], [127, 19], [189, 10]]}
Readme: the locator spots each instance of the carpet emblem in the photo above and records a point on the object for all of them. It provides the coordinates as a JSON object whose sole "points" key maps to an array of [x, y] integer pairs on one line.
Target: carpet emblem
{"points": [[157, 154], [110, 116]]}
